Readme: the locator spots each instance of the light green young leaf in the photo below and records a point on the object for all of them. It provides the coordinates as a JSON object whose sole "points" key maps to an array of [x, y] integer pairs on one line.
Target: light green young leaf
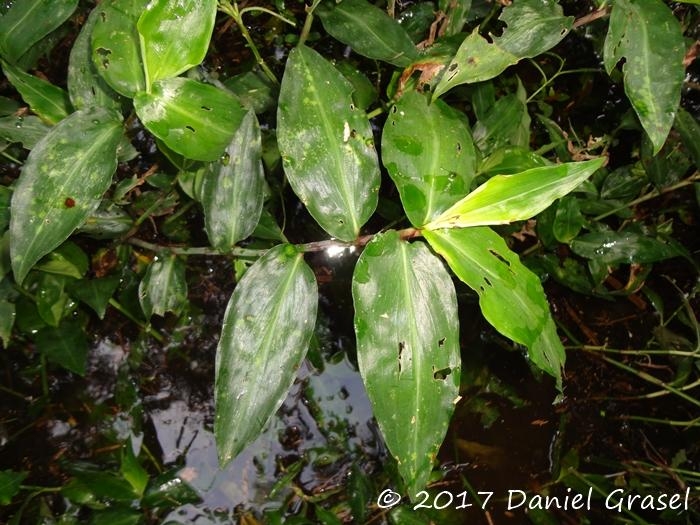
{"points": [[232, 188], [650, 39], [533, 27], [326, 145], [28, 21], [267, 327], [164, 287], [407, 332], [174, 36], [369, 31], [506, 198], [510, 296], [50, 102], [51, 298], [194, 119], [132, 470], [116, 50], [86, 87], [28, 130], [432, 169], [61, 184]]}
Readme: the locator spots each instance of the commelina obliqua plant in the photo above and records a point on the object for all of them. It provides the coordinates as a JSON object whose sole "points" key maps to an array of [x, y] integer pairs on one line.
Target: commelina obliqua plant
{"points": [[460, 168]]}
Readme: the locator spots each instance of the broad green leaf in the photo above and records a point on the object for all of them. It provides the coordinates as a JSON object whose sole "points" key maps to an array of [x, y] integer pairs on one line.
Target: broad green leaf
{"points": [[407, 332], [61, 184], [68, 260], [369, 31], [50, 102], [254, 90], [533, 27], [28, 130], [174, 36], [456, 12], [326, 145], [96, 481], [65, 345], [267, 326], [169, 489], [510, 296], [194, 119], [689, 129], [510, 160], [507, 123], [95, 293], [432, 169], [132, 470], [507, 198], [267, 228], [7, 321], [364, 92], [86, 87], [613, 247], [568, 219], [10, 482], [232, 188], [416, 20], [650, 39], [164, 287], [107, 222], [28, 21], [51, 298], [116, 50]]}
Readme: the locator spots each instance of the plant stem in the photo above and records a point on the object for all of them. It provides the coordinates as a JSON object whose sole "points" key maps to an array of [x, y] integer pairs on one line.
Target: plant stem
{"points": [[307, 23], [593, 348], [695, 177], [590, 17], [145, 327]]}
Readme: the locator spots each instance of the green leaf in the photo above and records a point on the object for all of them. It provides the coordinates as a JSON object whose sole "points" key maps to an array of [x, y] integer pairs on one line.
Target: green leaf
{"points": [[164, 287], [407, 332], [50, 102], [65, 345], [116, 50], [232, 188], [456, 12], [650, 39], [194, 119], [61, 184], [169, 490], [51, 298], [326, 145], [533, 27], [432, 169], [267, 327], [507, 123], [507, 198], [689, 129], [68, 259], [611, 247], [86, 88], [369, 31], [568, 219], [7, 321], [28, 130], [254, 90], [28, 21], [174, 36], [509, 160], [132, 470], [510, 296], [10, 482], [95, 293]]}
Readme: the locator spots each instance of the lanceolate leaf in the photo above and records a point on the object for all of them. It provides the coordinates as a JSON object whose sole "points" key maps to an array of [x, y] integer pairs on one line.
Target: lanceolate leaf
{"points": [[61, 184], [507, 198], [175, 36], [194, 119], [232, 188], [647, 35], [434, 168], [510, 296], [611, 247], [50, 102], [28, 21], [407, 348], [267, 327], [163, 288], [533, 27], [369, 31], [326, 145], [116, 51]]}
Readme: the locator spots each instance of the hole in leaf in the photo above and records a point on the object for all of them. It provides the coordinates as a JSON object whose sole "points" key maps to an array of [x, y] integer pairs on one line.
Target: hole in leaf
{"points": [[104, 55], [452, 67], [402, 347], [459, 147], [499, 257], [441, 342], [190, 128], [394, 109], [341, 221], [352, 107], [487, 281], [441, 374], [206, 108]]}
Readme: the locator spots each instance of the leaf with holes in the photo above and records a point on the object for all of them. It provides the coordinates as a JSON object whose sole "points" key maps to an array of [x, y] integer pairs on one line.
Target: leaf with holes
{"points": [[481, 259], [61, 184], [116, 51], [506, 198], [533, 27], [174, 36], [650, 39], [407, 332], [326, 144], [194, 119], [232, 188], [369, 31], [267, 327], [434, 168], [164, 287]]}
